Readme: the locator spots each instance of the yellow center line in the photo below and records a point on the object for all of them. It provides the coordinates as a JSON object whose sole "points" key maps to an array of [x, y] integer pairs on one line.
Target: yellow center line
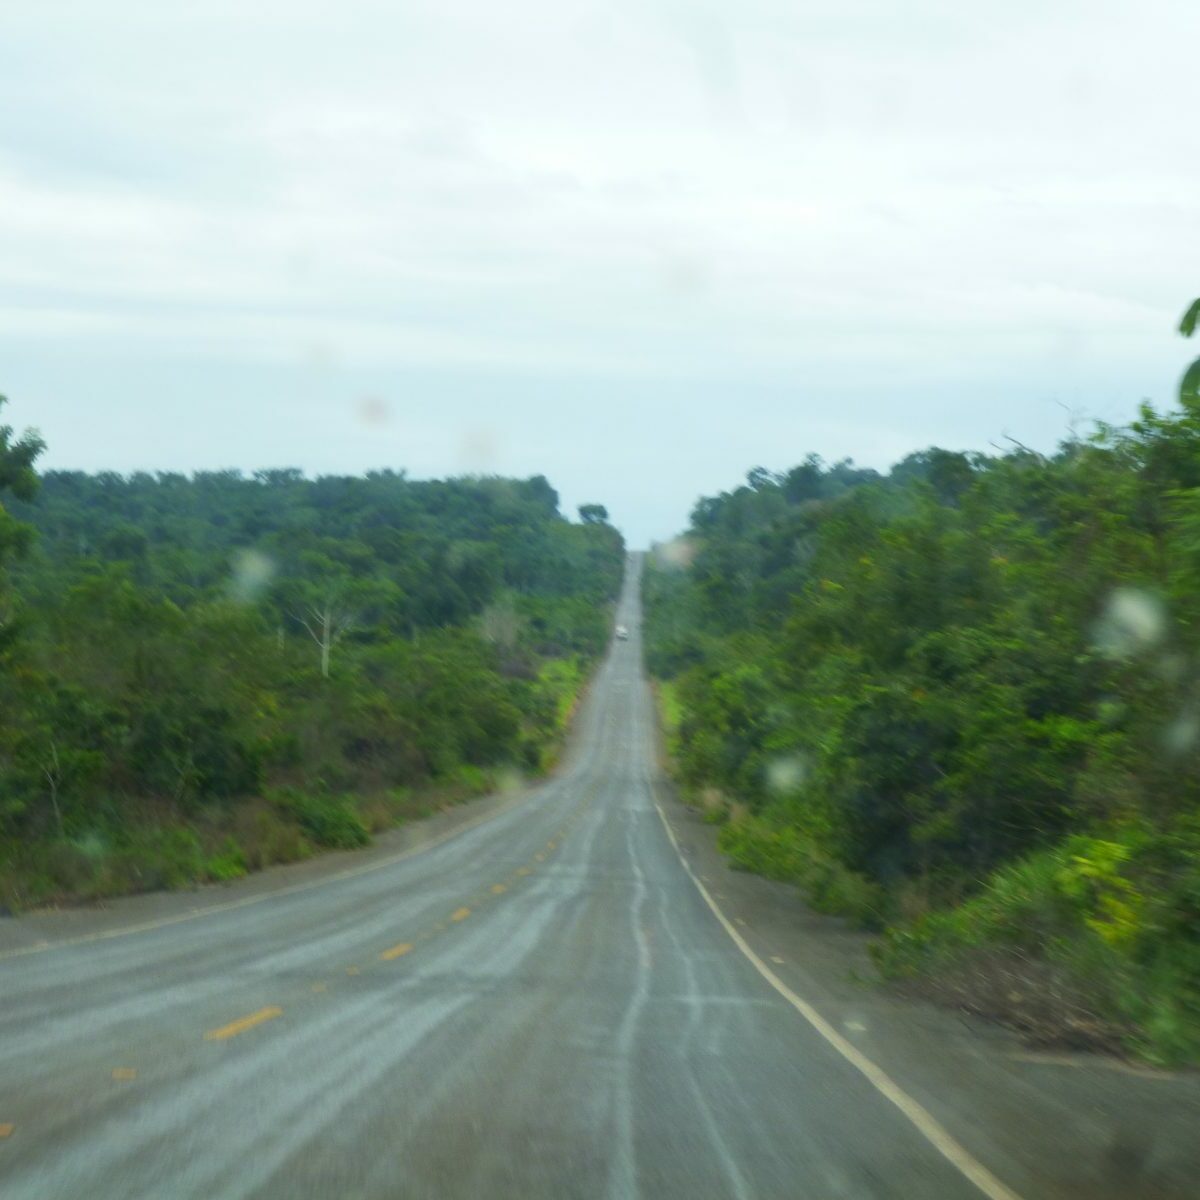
{"points": [[351, 970], [551, 845], [319, 987], [498, 889], [396, 951], [124, 1074], [523, 870], [460, 914], [243, 1023], [6, 1131], [539, 857]]}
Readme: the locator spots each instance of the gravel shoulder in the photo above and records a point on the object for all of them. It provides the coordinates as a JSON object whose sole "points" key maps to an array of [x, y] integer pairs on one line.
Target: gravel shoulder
{"points": [[1053, 1125], [42, 928], [51, 926]]}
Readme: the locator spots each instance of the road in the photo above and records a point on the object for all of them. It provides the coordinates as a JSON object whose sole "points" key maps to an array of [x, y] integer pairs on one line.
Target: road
{"points": [[545, 1005]]}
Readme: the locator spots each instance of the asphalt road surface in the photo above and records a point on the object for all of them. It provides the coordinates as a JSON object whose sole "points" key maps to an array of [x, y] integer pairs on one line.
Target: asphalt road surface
{"points": [[545, 1005]]}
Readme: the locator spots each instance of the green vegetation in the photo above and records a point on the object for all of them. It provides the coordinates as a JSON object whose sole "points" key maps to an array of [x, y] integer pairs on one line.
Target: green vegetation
{"points": [[959, 703], [204, 675]]}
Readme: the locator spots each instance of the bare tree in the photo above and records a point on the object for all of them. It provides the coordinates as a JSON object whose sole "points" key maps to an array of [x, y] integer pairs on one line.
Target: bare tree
{"points": [[327, 620], [54, 777]]}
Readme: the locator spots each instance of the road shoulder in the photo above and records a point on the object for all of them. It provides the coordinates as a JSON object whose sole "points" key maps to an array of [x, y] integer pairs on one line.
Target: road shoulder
{"points": [[1047, 1125], [45, 928], [41, 929]]}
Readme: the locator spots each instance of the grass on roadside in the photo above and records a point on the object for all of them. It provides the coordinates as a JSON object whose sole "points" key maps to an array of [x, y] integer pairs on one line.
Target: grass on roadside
{"points": [[163, 850]]}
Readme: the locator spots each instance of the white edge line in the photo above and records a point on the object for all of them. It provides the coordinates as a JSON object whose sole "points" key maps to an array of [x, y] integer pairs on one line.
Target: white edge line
{"points": [[291, 889], [919, 1116]]}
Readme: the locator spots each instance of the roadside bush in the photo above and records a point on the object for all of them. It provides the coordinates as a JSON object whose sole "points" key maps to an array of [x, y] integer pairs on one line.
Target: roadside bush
{"points": [[71, 868], [268, 836], [466, 780], [228, 865], [330, 821], [1111, 920], [782, 852], [156, 860]]}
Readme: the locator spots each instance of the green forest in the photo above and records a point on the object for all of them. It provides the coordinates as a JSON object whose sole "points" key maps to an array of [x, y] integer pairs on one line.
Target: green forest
{"points": [[960, 703], [202, 675]]}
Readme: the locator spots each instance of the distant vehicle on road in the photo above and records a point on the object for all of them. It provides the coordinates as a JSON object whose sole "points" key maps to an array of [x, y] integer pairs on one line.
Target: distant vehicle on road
{"points": [[622, 633]]}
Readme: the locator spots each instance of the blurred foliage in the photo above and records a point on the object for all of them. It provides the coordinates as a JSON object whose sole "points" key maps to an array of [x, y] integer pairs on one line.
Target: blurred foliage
{"points": [[960, 702], [1189, 387], [168, 716]]}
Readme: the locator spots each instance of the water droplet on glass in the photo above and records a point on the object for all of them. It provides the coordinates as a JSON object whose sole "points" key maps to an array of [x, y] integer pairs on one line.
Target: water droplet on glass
{"points": [[1133, 621], [786, 774], [252, 575]]}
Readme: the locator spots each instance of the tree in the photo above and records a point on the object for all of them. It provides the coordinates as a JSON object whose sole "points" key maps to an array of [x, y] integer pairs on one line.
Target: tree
{"points": [[17, 458], [593, 514], [17, 476], [1189, 386], [328, 612], [148, 699]]}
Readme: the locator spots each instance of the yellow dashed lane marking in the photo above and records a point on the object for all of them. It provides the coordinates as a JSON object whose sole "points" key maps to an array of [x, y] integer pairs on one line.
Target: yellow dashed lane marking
{"points": [[243, 1023], [351, 970], [319, 987], [498, 889], [524, 870], [551, 845], [6, 1131], [124, 1074], [539, 857], [460, 914], [396, 951]]}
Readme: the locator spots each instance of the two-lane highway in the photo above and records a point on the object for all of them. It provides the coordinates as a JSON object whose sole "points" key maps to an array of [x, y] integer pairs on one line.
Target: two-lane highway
{"points": [[542, 1006]]}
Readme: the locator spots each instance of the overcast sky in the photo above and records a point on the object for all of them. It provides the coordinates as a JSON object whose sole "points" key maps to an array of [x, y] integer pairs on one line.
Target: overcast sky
{"points": [[638, 246]]}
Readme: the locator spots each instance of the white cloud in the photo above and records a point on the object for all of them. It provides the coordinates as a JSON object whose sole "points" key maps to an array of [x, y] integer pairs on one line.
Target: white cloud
{"points": [[848, 195]]}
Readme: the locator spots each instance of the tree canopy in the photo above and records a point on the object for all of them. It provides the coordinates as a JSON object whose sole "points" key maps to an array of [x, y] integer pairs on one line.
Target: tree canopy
{"points": [[908, 692], [205, 673]]}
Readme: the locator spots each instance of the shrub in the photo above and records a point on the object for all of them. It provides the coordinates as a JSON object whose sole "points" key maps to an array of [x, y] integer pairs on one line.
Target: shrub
{"points": [[267, 836], [329, 821], [228, 865], [1109, 919], [781, 851]]}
